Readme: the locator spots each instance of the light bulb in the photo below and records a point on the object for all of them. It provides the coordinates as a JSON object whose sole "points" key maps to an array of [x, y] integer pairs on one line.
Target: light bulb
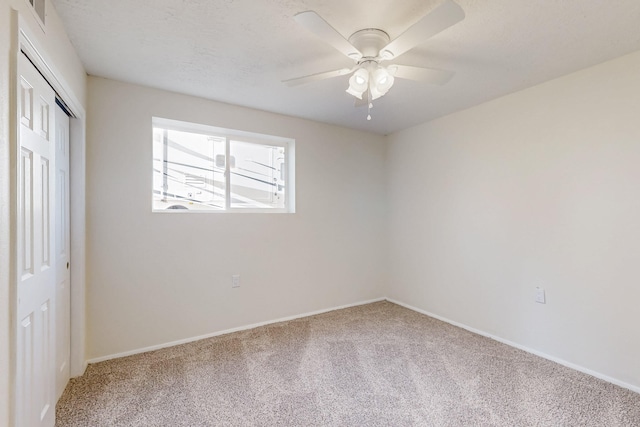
{"points": [[359, 80]]}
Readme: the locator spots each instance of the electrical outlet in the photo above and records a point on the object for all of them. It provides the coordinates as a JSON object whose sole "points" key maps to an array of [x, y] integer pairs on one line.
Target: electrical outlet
{"points": [[235, 281], [540, 297]]}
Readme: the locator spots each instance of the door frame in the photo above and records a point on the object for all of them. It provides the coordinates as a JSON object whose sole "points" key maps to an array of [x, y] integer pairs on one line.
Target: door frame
{"points": [[25, 40]]}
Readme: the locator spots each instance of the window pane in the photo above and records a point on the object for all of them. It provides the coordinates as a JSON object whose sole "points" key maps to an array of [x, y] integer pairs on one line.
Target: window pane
{"points": [[188, 170], [257, 175]]}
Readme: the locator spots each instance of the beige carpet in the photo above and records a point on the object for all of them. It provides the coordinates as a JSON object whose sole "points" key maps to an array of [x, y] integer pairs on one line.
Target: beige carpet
{"points": [[374, 365]]}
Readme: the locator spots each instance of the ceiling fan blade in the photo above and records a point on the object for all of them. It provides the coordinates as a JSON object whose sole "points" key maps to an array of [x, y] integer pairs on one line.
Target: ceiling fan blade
{"points": [[318, 26], [441, 18], [424, 75], [360, 102], [316, 77]]}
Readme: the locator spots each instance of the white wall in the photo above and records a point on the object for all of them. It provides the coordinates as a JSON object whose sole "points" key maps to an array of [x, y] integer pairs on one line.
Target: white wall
{"points": [[157, 278], [538, 188], [57, 50]]}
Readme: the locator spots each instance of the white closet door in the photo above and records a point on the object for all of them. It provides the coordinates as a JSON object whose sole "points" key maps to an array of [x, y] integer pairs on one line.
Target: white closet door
{"points": [[62, 253], [36, 275]]}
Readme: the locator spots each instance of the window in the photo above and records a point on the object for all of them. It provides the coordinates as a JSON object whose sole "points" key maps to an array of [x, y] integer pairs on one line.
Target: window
{"points": [[203, 168]]}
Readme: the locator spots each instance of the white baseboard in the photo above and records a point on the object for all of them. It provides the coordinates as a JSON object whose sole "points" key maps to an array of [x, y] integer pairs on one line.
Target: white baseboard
{"points": [[410, 307], [523, 348], [227, 331]]}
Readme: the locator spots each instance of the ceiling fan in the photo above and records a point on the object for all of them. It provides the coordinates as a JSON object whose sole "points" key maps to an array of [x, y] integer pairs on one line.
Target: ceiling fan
{"points": [[369, 47]]}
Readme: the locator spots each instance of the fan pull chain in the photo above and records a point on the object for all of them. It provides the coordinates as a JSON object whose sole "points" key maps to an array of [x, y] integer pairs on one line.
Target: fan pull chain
{"points": [[369, 112]]}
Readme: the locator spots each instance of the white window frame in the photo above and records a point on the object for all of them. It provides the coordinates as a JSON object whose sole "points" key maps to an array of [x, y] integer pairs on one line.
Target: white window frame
{"points": [[242, 136]]}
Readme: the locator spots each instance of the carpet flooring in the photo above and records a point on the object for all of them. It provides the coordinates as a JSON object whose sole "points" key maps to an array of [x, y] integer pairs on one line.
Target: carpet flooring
{"points": [[373, 365]]}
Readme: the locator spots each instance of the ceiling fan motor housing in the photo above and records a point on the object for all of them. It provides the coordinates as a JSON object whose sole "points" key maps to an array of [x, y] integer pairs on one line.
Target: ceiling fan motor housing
{"points": [[369, 42]]}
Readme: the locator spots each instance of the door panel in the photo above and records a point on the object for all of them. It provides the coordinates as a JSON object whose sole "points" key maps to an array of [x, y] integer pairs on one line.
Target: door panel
{"points": [[36, 322], [62, 254], [26, 226], [45, 214]]}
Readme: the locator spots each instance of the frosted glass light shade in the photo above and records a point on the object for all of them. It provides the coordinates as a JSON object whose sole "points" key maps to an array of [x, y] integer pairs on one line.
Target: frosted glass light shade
{"points": [[381, 82], [358, 83]]}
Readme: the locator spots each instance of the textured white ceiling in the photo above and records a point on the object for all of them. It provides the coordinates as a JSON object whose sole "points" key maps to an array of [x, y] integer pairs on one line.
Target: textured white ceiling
{"points": [[239, 51]]}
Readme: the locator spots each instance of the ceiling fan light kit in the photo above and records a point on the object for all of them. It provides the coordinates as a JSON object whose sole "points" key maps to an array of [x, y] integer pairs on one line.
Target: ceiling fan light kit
{"points": [[372, 78], [370, 46]]}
